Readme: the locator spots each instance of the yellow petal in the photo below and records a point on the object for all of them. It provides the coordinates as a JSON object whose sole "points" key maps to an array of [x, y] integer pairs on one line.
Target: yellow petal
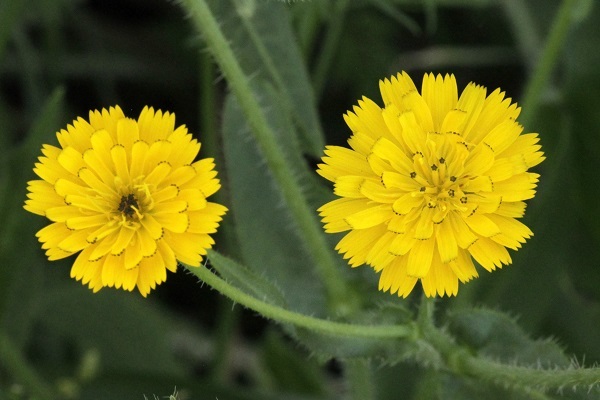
{"points": [[464, 236], [480, 159], [194, 199], [133, 254], [413, 134], [349, 186], [100, 165], [170, 207], [335, 212], [518, 187], [398, 181], [102, 247], [375, 191], [187, 247], [502, 136], [158, 174], [148, 246], [402, 244], [395, 279], [514, 209], [463, 266], [471, 101], [489, 255], [85, 222], [127, 133], [419, 258], [482, 225], [112, 270], [340, 161], [123, 240], [179, 176], [424, 226], [74, 242], [152, 226], [406, 203], [185, 148], [167, 255], [356, 245], [369, 217], [446, 242], [71, 160], [379, 255], [388, 151], [177, 223], [441, 95], [138, 158], [203, 222], [119, 158]]}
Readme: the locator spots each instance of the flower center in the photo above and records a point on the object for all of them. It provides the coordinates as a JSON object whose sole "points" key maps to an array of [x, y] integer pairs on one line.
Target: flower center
{"points": [[128, 206], [439, 179]]}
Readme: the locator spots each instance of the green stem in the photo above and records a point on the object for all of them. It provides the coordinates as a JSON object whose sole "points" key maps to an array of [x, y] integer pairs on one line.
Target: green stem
{"points": [[332, 38], [16, 365], [338, 294], [531, 380], [360, 380], [273, 72], [531, 377], [300, 320], [549, 58]]}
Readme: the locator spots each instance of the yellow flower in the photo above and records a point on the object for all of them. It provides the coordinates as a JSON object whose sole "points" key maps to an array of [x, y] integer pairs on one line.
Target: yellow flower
{"points": [[128, 196], [432, 182]]}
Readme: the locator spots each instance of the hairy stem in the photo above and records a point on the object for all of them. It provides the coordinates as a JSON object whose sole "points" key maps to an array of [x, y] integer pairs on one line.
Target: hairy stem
{"points": [[340, 301], [282, 315]]}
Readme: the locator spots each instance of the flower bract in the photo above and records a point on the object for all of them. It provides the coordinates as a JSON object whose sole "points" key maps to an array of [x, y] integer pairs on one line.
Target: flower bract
{"points": [[431, 182], [128, 196]]}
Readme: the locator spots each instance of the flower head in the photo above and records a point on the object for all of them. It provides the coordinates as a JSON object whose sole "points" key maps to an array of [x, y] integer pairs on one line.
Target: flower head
{"points": [[127, 196], [431, 182]]}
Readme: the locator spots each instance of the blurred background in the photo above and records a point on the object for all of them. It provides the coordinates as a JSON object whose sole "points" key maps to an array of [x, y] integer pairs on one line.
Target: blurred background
{"points": [[61, 58]]}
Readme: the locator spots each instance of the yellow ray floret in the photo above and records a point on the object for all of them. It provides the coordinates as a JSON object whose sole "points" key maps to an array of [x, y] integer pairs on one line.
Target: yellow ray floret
{"points": [[127, 196], [431, 182]]}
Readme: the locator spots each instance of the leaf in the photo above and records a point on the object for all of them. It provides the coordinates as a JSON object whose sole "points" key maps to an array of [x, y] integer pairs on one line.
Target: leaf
{"points": [[497, 336], [246, 280], [269, 243], [262, 38]]}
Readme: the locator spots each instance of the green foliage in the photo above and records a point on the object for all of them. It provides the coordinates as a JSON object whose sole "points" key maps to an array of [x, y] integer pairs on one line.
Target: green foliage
{"points": [[261, 35], [247, 280], [269, 241], [495, 335]]}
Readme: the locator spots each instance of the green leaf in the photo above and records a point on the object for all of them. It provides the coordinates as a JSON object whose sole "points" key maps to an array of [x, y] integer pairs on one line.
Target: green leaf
{"points": [[269, 243], [440, 384], [262, 37], [497, 336], [243, 278]]}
